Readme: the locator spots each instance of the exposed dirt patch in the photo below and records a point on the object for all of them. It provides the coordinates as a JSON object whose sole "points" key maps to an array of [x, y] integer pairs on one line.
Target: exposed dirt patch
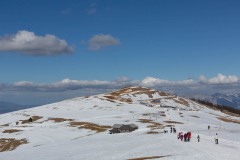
{"points": [[90, 126], [169, 125], [95, 106], [146, 114], [58, 120], [5, 125], [174, 122], [230, 113], [145, 158], [117, 95], [149, 93], [153, 125], [228, 120], [194, 116], [153, 132], [34, 118], [119, 98], [163, 114], [11, 131], [181, 101], [9, 144]]}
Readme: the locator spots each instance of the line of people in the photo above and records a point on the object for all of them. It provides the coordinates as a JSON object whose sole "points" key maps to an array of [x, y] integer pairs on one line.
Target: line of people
{"points": [[186, 136], [172, 130]]}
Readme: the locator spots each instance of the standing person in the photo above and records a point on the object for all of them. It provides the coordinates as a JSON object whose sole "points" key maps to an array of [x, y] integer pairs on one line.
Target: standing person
{"points": [[208, 127], [216, 138], [198, 137], [171, 129], [185, 137], [188, 136], [181, 136]]}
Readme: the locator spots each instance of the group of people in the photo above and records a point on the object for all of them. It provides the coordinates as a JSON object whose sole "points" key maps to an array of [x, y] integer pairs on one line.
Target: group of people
{"points": [[173, 130], [186, 136]]}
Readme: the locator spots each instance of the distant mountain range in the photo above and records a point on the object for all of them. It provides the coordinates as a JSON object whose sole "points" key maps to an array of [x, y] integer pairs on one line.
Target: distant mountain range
{"points": [[9, 107], [231, 100]]}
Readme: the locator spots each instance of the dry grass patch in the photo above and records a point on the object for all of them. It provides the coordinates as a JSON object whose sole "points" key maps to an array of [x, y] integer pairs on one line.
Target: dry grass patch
{"points": [[153, 126], [163, 114], [181, 101], [145, 158], [9, 144], [117, 95], [112, 98], [229, 120], [5, 125], [109, 97], [90, 126], [147, 92], [11, 131], [34, 118], [58, 120], [194, 116], [230, 113], [169, 125], [174, 122], [153, 132]]}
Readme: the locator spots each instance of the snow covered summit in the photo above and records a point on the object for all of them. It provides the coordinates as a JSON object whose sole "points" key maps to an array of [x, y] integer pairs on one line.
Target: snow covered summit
{"points": [[79, 129]]}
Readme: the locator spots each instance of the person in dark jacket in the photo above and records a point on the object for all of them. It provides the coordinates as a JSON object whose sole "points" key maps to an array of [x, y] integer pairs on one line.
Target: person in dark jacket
{"points": [[198, 137], [30, 119], [216, 138], [185, 137]]}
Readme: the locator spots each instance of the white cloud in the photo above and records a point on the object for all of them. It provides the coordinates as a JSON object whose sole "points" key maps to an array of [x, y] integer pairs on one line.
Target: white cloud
{"points": [[152, 82], [23, 83], [100, 41], [69, 84], [29, 43], [220, 79]]}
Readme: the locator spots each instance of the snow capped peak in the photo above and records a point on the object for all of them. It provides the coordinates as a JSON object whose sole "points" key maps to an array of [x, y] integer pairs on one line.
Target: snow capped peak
{"points": [[79, 129]]}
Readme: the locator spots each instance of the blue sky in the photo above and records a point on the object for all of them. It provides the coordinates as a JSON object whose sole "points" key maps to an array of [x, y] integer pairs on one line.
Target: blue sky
{"points": [[102, 44]]}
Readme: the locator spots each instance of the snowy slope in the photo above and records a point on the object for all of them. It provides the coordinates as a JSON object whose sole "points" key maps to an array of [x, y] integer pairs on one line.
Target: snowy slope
{"points": [[78, 128]]}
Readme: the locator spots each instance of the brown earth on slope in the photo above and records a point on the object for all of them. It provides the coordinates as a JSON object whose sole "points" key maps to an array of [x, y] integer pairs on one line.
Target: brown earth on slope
{"points": [[34, 118], [117, 95], [9, 144], [90, 126], [11, 131]]}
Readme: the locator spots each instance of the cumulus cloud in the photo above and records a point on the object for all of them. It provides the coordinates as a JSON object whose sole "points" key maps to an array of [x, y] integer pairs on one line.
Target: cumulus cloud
{"points": [[64, 85], [152, 82], [29, 43], [68, 84], [97, 42], [220, 79]]}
